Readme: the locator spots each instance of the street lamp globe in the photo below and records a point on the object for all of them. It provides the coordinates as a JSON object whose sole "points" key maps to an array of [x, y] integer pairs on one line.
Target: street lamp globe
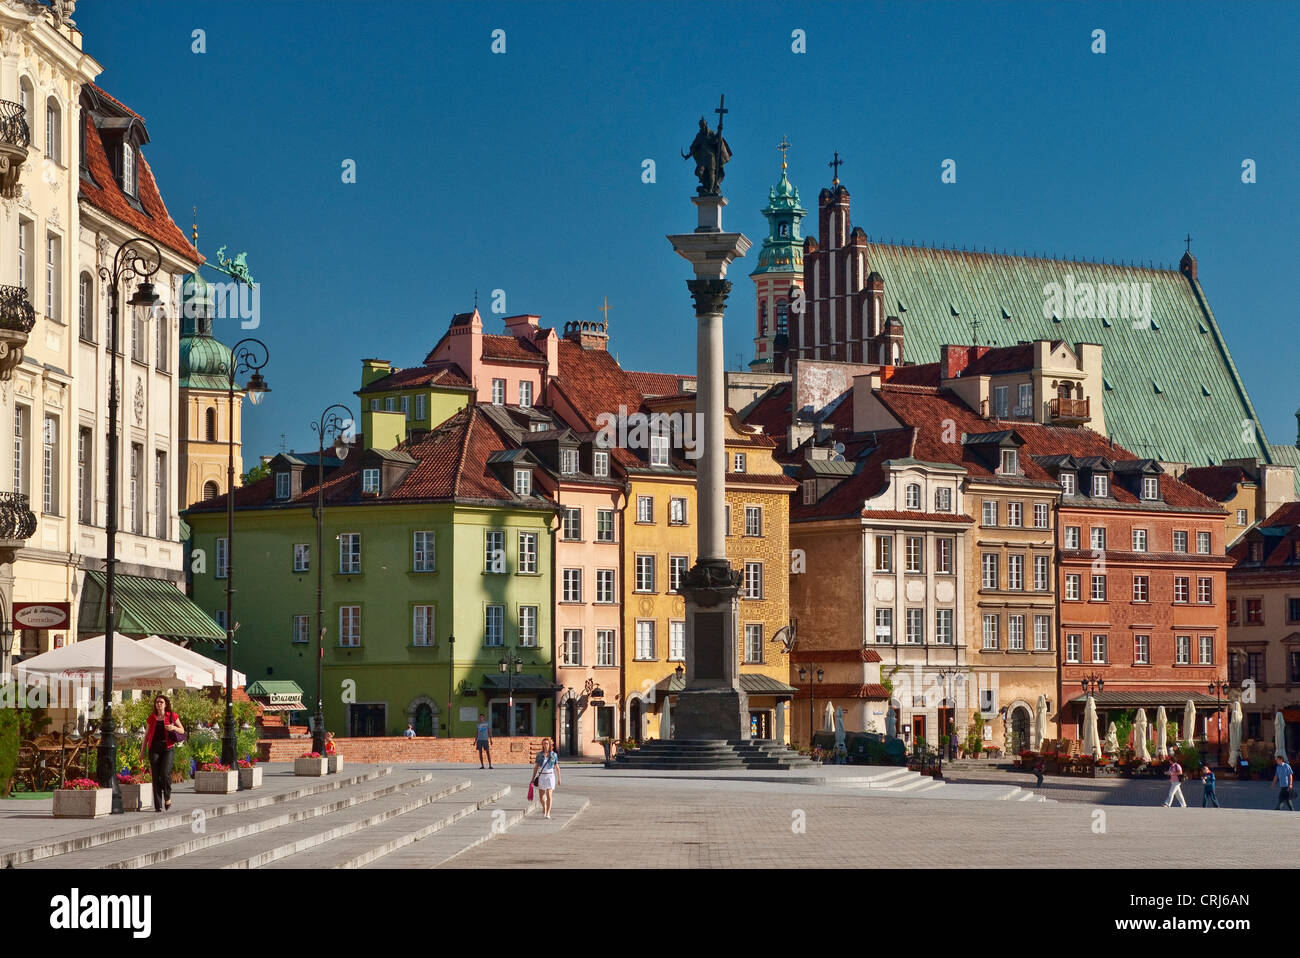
{"points": [[144, 295], [803, 674], [340, 448], [504, 666], [256, 389]]}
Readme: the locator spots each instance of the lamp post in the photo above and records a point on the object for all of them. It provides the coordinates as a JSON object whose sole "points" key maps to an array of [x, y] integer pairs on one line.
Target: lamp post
{"points": [[6, 648], [511, 658], [137, 258], [1220, 692], [952, 671], [808, 674], [248, 355], [338, 426]]}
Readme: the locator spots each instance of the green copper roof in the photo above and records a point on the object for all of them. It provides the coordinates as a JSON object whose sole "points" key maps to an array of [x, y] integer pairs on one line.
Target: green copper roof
{"points": [[204, 362], [1196, 412], [782, 250]]}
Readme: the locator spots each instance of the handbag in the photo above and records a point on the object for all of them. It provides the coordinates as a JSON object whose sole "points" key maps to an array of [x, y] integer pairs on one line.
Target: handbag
{"points": [[530, 789], [175, 738]]}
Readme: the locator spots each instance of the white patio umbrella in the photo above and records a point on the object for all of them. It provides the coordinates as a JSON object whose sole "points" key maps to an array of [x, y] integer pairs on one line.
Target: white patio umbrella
{"points": [[135, 666], [1140, 737], [666, 720], [1279, 735], [1112, 739], [829, 718], [1189, 724], [1162, 733], [1040, 723], [839, 727], [1234, 733], [1091, 745], [195, 660]]}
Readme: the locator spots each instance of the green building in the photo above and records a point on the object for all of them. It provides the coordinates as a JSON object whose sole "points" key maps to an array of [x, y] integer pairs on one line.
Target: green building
{"points": [[437, 567]]}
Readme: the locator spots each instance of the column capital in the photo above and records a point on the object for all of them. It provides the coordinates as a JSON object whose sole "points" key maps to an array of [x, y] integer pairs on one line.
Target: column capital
{"points": [[710, 295]]}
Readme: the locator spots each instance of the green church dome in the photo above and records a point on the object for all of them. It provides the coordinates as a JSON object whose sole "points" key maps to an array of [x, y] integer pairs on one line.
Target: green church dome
{"points": [[204, 363]]}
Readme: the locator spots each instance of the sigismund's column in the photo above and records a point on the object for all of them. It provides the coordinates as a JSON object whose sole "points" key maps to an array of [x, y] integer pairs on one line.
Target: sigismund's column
{"points": [[712, 706]]}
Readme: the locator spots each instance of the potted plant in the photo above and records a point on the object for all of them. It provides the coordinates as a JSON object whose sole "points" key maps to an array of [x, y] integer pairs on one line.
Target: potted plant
{"points": [[213, 778], [250, 773], [310, 763], [137, 791], [82, 798]]}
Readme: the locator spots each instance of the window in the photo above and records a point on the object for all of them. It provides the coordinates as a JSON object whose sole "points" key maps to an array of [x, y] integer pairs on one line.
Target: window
{"points": [[943, 499], [1181, 588], [1150, 487], [350, 553], [1139, 540], [645, 509], [494, 627], [571, 649], [137, 489], [912, 496], [26, 246], [223, 557], [1010, 462], [1041, 566], [1292, 610], [989, 570], [1073, 644], [676, 570], [1257, 551], [1206, 650], [1241, 517], [210, 424], [914, 554], [1016, 572], [1232, 613], [85, 495], [810, 492], [349, 626], [53, 130], [604, 646], [753, 520], [1183, 650], [1204, 590], [374, 405], [658, 450], [528, 626], [943, 551], [1000, 406], [494, 551], [572, 579], [1141, 650], [1097, 538], [53, 262], [1073, 536], [50, 466], [162, 342], [282, 485], [422, 633], [128, 169], [1042, 633], [676, 512], [884, 553], [600, 464], [604, 525], [86, 308], [301, 629], [1072, 583], [1099, 649], [406, 408], [572, 526], [1099, 588], [1040, 515], [645, 573], [753, 580], [370, 482], [568, 462], [527, 553], [645, 640], [498, 392], [738, 465], [161, 509], [1141, 590], [1016, 633], [753, 644], [990, 631], [676, 640], [915, 625], [1025, 400], [1203, 543], [884, 626], [1015, 514], [1067, 483], [139, 332], [990, 512], [1180, 541], [604, 585], [301, 557], [1100, 486], [421, 412], [209, 491], [423, 555], [943, 626], [525, 393], [1254, 612]]}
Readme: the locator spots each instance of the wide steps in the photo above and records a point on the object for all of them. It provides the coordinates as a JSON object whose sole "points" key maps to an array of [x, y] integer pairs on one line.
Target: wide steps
{"points": [[472, 830], [683, 755]]}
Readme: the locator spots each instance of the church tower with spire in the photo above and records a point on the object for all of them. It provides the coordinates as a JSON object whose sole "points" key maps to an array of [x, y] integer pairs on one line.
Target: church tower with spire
{"points": [[779, 270]]}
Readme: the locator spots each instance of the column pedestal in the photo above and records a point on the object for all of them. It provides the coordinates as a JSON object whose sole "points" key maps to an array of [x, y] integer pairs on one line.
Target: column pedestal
{"points": [[712, 706]]}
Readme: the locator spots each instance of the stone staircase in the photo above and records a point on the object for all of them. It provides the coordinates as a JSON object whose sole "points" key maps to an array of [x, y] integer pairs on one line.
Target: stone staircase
{"points": [[704, 754]]}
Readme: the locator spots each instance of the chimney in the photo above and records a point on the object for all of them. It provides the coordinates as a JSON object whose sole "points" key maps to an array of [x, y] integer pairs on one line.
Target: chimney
{"points": [[523, 326], [373, 370], [588, 335]]}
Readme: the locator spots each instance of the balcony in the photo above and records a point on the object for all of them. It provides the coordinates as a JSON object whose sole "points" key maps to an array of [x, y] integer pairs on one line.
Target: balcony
{"points": [[17, 522], [15, 137], [16, 320], [1070, 410], [991, 410]]}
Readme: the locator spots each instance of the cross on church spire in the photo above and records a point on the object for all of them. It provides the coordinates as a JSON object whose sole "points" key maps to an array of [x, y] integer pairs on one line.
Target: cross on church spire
{"points": [[1189, 242], [835, 165], [605, 310], [783, 146]]}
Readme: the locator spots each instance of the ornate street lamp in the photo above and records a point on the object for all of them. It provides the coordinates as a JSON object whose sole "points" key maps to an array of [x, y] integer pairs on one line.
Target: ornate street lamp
{"points": [[504, 665], [807, 675], [330, 423], [1220, 692], [251, 356], [140, 259], [6, 647]]}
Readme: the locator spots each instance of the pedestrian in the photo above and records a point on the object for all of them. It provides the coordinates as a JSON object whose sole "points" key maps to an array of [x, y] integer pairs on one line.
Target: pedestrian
{"points": [[330, 747], [162, 731], [410, 730], [1283, 779], [1038, 772], [546, 774], [1207, 779], [1175, 785], [483, 739]]}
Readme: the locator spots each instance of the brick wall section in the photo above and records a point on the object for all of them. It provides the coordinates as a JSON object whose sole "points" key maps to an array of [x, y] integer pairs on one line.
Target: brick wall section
{"points": [[378, 750]]}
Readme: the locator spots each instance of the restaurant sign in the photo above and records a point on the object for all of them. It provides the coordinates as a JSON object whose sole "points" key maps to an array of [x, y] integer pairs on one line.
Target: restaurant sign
{"points": [[41, 615]]}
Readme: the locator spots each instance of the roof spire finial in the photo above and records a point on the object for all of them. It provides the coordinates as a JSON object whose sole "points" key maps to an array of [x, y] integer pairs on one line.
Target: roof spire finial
{"points": [[195, 241], [605, 309], [476, 299], [783, 146], [1189, 242], [835, 165]]}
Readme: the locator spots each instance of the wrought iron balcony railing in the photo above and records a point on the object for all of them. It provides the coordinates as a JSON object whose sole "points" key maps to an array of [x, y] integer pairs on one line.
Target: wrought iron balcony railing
{"points": [[15, 138], [17, 521], [16, 310]]}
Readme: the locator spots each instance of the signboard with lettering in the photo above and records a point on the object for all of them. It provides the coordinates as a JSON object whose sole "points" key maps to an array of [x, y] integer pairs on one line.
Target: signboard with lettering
{"points": [[41, 615]]}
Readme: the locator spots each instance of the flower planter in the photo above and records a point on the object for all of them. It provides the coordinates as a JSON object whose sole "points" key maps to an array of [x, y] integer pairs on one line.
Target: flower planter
{"points": [[83, 803], [138, 797], [334, 763], [310, 766], [216, 783], [250, 777]]}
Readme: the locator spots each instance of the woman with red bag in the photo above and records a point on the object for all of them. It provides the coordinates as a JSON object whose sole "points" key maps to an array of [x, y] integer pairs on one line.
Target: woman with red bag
{"points": [[161, 734], [546, 775]]}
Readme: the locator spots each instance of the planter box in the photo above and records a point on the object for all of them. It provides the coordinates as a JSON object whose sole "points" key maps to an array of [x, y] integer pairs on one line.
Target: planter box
{"points": [[334, 763], [216, 783], [137, 798], [90, 803], [310, 766], [250, 777]]}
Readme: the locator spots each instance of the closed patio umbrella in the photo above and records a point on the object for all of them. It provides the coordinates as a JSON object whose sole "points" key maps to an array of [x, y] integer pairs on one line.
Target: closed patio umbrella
{"points": [[1040, 723], [1234, 733], [1162, 733], [1140, 737], [829, 718], [666, 720], [1112, 739], [1189, 724], [1091, 744], [1279, 735]]}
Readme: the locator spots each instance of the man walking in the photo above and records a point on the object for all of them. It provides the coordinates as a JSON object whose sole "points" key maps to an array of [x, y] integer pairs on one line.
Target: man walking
{"points": [[1283, 779], [1207, 779], [483, 739], [1175, 785]]}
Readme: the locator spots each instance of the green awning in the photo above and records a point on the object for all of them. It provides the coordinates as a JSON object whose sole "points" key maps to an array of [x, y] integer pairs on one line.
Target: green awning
{"points": [[145, 607], [751, 683]]}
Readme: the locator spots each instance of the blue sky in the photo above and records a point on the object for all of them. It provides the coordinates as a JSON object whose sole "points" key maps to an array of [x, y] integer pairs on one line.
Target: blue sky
{"points": [[522, 171]]}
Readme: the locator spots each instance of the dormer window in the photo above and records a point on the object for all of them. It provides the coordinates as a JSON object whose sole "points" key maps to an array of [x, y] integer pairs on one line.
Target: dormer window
{"points": [[810, 492], [738, 462], [658, 450], [1010, 462], [600, 464], [568, 461], [1256, 552], [1100, 486], [523, 482], [128, 169], [912, 496], [370, 482], [282, 485], [1067, 483], [943, 499], [1150, 488]]}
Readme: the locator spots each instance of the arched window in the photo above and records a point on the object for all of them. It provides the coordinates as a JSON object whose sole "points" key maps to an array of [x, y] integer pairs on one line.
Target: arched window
{"points": [[894, 355], [25, 100], [53, 130], [86, 307], [211, 424], [209, 491], [913, 493]]}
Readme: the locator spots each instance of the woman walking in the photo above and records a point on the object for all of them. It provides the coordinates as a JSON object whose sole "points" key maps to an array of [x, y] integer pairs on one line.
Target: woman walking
{"points": [[546, 774], [161, 733]]}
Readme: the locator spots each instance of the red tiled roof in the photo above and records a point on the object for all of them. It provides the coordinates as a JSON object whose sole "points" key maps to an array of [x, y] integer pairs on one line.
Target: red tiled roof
{"points": [[1279, 543], [926, 374], [845, 690], [592, 382], [772, 411], [834, 655], [1217, 482], [102, 191], [1002, 359], [657, 384], [511, 348], [760, 479], [443, 374], [1288, 514], [916, 515]]}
